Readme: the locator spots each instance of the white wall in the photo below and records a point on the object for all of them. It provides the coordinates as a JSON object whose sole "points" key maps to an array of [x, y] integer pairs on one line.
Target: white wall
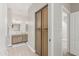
{"points": [[57, 28], [3, 29], [74, 33], [74, 29]]}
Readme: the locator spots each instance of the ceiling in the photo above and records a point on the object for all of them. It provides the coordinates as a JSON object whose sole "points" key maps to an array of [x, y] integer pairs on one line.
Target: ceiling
{"points": [[19, 9]]}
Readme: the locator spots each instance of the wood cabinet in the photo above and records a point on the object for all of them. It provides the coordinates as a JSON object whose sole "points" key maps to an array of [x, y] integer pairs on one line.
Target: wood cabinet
{"points": [[24, 38], [38, 21], [44, 42], [41, 42], [45, 18], [45, 31], [38, 33], [19, 38], [38, 46], [14, 39]]}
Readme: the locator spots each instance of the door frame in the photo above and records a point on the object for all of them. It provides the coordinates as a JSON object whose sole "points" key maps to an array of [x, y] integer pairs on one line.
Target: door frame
{"points": [[68, 28], [41, 25]]}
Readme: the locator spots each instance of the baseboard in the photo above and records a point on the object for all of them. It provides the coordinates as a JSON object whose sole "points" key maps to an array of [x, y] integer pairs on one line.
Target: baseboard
{"points": [[18, 45], [31, 48]]}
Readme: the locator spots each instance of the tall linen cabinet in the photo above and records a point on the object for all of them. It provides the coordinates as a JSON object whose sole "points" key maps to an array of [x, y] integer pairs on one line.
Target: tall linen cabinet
{"points": [[41, 30]]}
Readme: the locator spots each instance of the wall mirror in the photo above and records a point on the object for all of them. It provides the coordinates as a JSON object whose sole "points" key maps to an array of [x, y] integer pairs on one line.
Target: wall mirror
{"points": [[16, 27]]}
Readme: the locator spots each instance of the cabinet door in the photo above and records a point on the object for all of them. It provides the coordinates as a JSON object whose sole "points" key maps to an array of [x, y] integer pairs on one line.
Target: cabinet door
{"points": [[38, 42], [45, 31], [45, 18], [25, 38], [42, 32], [45, 42], [38, 19], [38, 33], [14, 39], [19, 38]]}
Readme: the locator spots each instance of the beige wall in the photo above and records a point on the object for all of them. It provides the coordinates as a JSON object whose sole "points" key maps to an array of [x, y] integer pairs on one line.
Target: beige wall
{"points": [[74, 7], [67, 5]]}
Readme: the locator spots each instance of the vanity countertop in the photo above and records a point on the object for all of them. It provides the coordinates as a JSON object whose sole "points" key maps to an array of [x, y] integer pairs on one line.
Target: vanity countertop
{"points": [[18, 33]]}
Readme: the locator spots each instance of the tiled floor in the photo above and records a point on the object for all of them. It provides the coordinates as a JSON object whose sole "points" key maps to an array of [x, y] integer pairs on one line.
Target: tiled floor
{"points": [[20, 51]]}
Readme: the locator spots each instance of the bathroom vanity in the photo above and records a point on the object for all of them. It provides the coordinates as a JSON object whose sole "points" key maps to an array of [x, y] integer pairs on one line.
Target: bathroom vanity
{"points": [[20, 38], [18, 34]]}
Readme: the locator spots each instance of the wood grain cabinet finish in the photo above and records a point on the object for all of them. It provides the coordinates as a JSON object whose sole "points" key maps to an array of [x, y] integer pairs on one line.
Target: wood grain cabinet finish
{"points": [[19, 38], [45, 31], [24, 38], [38, 23], [45, 18], [14, 39], [41, 42], [38, 33], [44, 42]]}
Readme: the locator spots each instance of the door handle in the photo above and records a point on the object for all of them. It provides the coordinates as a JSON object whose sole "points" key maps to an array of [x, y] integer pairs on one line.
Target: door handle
{"points": [[49, 40]]}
